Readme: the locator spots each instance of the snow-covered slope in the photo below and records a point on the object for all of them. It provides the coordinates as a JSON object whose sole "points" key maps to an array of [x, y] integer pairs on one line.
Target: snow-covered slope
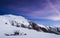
{"points": [[27, 29], [13, 18]]}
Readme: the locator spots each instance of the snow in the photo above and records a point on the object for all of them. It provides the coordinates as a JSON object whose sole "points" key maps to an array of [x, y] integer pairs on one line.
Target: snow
{"points": [[8, 28], [42, 26], [18, 19]]}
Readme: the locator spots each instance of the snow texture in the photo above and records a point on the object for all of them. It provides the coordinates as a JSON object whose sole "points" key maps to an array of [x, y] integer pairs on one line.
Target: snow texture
{"points": [[8, 26]]}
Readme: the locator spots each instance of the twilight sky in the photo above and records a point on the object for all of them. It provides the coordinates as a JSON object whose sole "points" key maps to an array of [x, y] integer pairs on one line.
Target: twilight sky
{"points": [[46, 12]]}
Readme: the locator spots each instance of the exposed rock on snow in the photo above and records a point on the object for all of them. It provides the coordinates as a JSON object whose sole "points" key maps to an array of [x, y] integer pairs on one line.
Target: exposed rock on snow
{"points": [[10, 24]]}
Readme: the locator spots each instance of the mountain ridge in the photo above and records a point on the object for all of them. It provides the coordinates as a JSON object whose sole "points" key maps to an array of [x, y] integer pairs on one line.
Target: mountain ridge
{"points": [[19, 21]]}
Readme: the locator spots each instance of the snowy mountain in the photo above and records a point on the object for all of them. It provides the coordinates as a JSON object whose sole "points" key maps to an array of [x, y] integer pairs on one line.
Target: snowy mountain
{"points": [[12, 25]]}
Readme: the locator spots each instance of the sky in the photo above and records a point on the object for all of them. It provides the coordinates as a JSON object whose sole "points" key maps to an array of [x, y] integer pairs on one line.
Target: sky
{"points": [[46, 12]]}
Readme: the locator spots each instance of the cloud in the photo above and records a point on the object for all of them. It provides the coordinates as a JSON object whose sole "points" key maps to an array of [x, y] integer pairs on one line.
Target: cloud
{"points": [[49, 9], [54, 18]]}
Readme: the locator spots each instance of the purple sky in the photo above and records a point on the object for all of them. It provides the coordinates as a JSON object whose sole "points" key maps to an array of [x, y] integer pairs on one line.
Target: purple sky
{"points": [[34, 9]]}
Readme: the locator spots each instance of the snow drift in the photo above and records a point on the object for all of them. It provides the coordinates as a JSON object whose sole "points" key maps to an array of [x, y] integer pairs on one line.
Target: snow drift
{"points": [[18, 26]]}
